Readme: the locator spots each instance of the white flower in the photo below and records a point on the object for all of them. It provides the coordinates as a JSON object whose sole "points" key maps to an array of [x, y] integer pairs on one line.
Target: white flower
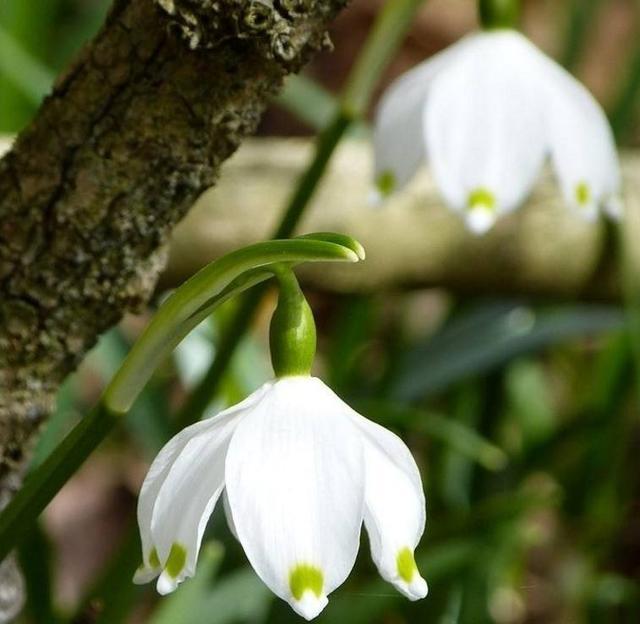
{"points": [[485, 113], [300, 471]]}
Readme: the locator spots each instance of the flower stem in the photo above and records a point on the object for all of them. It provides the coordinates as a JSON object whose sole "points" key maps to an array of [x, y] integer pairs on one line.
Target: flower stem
{"points": [[499, 13], [45, 481], [187, 306], [386, 35]]}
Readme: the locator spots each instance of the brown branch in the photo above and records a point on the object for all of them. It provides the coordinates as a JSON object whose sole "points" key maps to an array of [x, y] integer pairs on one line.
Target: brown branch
{"points": [[543, 250], [132, 133]]}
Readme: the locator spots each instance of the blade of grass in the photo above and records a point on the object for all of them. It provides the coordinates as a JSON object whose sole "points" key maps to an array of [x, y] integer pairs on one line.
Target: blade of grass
{"points": [[35, 561], [452, 432], [583, 15], [490, 335]]}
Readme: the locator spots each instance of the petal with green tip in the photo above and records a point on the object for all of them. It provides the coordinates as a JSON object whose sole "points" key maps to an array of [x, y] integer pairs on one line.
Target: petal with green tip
{"points": [[583, 151], [166, 514], [394, 506], [295, 483], [398, 145], [484, 126]]}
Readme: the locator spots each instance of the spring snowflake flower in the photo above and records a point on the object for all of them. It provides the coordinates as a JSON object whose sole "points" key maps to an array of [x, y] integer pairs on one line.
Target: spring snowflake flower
{"points": [[299, 472], [485, 113]]}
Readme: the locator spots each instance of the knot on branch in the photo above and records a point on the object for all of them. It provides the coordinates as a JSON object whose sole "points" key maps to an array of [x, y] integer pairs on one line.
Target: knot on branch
{"points": [[282, 30]]}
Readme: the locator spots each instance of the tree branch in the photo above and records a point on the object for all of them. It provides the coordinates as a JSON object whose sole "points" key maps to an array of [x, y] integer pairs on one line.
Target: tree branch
{"points": [[543, 249], [132, 133]]}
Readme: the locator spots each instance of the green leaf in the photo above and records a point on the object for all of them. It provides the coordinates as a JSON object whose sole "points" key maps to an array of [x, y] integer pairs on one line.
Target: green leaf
{"points": [[490, 335], [452, 433], [32, 78], [35, 561]]}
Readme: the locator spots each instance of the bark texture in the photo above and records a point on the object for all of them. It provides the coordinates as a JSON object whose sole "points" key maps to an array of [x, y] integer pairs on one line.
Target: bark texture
{"points": [[544, 249], [132, 133]]}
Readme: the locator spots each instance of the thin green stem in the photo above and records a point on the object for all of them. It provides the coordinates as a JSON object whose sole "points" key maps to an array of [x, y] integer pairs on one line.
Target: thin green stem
{"points": [[194, 300], [498, 13], [386, 36], [627, 105], [189, 304], [46, 481], [582, 16], [388, 32]]}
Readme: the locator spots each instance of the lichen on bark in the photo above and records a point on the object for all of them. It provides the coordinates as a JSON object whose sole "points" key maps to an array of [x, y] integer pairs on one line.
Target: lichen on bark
{"points": [[129, 137]]}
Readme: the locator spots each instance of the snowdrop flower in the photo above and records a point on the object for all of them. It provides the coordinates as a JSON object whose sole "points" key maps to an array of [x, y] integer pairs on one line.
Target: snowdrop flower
{"points": [[299, 472], [485, 113]]}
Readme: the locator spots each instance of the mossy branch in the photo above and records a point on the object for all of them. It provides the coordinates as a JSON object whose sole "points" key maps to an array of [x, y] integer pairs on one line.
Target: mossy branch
{"points": [[129, 137]]}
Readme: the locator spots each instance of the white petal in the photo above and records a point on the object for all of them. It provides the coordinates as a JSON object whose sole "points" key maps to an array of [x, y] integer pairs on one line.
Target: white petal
{"points": [[149, 492], [582, 145], [295, 481], [398, 143], [228, 515], [614, 206], [480, 220], [394, 507], [484, 124], [161, 468]]}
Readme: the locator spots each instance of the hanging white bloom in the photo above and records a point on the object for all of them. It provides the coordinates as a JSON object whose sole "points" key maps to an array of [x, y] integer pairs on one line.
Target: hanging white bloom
{"points": [[300, 472], [485, 113]]}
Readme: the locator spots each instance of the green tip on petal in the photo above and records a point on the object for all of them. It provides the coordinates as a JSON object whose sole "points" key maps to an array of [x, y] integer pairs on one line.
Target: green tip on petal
{"points": [[583, 194], [406, 564], [177, 559], [305, 578], [386, 183], [154, 560], [482, 197]]}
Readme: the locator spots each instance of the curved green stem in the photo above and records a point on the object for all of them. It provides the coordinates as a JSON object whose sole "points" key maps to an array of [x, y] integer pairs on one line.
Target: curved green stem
{"points": [[195, 299], [189, 304], [387, 34]]}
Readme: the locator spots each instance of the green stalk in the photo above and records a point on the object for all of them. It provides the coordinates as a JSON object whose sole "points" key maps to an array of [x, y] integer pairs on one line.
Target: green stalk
{"points": [[387, 34], [47, 479], [625, 108], [582, 16], [195, 299], [189, 304]]}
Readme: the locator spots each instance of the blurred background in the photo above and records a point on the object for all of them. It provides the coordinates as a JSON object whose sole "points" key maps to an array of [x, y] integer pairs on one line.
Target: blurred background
{"points": [[523, 413]]}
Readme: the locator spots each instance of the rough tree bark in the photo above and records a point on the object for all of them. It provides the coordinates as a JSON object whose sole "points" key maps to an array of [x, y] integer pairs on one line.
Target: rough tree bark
{"points": [[132, 133]]}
